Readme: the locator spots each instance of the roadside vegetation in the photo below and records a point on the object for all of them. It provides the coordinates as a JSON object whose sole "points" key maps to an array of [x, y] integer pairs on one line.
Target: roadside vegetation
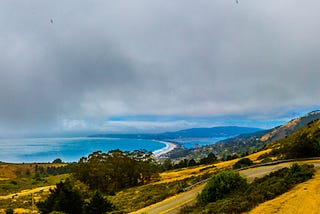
{"points": [[133, 199], [228, 192], [243, 162]]}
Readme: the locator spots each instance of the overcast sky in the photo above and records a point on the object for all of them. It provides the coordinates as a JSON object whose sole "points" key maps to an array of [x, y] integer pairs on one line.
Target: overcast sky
{"points": [[112, 66]]}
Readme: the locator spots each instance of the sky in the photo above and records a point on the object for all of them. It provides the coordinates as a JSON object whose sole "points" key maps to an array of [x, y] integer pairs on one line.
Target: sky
{"points": [[78, 67]]}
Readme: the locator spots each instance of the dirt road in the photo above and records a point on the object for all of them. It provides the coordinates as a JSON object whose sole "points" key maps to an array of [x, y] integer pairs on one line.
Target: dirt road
{"points": [[27, 192]]}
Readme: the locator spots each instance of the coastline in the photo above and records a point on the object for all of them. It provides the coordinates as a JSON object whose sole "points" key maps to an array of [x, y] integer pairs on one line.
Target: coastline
{"points": [[169, 147]]}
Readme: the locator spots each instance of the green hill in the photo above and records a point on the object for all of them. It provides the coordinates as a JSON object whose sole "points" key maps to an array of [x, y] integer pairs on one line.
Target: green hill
{"points": [[303, 143]]}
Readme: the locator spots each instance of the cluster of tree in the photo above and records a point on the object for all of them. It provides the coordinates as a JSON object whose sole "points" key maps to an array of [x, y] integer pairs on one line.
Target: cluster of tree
{"points": [[243, 162], [168, 163], [53, 170], [67, 199], [301, 147], [109, 172], [57, 160], [233, 156], [228, 192]]}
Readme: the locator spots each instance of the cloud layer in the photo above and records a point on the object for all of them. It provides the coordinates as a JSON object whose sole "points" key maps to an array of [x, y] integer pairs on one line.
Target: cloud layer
{"points": [[165, 58]]}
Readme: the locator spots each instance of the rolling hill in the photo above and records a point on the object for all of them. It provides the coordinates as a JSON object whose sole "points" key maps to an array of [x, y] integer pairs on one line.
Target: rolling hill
{"points": [[302, 143], [220, 131], [244, 143]]}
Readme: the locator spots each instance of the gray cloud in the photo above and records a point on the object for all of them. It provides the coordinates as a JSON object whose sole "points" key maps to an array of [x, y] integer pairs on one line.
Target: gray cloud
{"points": [[180, 58]]}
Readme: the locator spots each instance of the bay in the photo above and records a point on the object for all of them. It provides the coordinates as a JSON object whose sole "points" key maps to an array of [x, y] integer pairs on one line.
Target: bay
{"points": [[190, 143], [68, 149]]}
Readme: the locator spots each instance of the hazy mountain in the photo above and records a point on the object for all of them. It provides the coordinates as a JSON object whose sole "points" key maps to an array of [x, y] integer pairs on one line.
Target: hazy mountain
{"points": [[251, 141], [288, 128], [220, 131]]}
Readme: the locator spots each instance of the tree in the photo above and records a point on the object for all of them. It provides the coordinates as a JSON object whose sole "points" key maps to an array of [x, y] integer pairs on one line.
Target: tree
{"points": [[192, 162], [58, 160], [63, 198], [167, 164], [303, 146], [221, 185], [211, 158], [242, 163], [9, 211], [181, 164], [98, 205], [109, 172]]}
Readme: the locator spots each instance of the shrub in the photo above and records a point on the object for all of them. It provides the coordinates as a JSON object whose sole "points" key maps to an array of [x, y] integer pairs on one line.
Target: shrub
{"points": [[9, 211], [63, 198], [221, 185], [98, 205], [242, 163]]}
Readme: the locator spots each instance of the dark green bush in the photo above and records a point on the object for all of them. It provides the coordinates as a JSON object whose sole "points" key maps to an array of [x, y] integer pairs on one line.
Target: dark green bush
{"points": [[242, 163], [63, 198], [221, 185], [98, 205]]}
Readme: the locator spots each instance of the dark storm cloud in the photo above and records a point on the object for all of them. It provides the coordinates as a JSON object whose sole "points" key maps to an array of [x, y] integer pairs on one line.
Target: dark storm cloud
{"points": [[183, 58]]}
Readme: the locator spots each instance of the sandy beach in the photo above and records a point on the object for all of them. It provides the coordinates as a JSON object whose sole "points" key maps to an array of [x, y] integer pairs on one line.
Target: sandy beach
{"points": [[169, 147]]}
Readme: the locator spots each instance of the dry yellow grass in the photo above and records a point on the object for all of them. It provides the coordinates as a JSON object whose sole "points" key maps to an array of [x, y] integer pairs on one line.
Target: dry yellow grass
{"points": [[20, 211], [302, 199], [9, 170], [188, 172]]}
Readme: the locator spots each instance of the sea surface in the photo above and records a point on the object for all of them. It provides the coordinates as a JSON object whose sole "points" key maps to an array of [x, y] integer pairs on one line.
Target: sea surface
{"points": [[67, 149]]}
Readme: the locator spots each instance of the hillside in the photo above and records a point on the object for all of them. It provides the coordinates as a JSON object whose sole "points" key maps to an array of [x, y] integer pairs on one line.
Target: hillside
{"points": [[249, 142], [288, 128], [302, 143], [220, 131], [301, 199]]}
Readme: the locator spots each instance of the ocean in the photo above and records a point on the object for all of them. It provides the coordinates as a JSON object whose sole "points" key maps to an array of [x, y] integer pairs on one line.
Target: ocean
{"points": [[67, 149]]}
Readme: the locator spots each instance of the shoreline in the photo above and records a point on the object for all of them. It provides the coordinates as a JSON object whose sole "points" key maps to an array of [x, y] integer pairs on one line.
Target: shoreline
{"points": [[169, 147]]}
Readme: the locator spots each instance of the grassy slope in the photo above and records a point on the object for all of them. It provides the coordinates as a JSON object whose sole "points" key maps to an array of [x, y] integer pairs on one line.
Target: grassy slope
{"points": [[303, 199], [10, 170], [304, 142]]}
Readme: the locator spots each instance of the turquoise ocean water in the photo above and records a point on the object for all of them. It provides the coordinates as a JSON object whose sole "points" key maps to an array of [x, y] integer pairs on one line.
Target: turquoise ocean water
{"points": [[67, 149]]}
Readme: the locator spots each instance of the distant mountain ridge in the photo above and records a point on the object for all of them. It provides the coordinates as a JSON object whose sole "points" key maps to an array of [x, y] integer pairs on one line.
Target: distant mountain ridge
{"points": [[219, 131], [288, 128], [250, 142]]}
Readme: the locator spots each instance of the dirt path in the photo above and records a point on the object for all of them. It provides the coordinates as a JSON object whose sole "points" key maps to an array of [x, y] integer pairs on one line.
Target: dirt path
{"points": [[27, 192]]}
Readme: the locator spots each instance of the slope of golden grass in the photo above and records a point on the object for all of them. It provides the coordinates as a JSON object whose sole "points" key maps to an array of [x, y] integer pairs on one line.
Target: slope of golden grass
{"points": [[302, 199], [180, 174], [19, 211], [10, 170]]}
